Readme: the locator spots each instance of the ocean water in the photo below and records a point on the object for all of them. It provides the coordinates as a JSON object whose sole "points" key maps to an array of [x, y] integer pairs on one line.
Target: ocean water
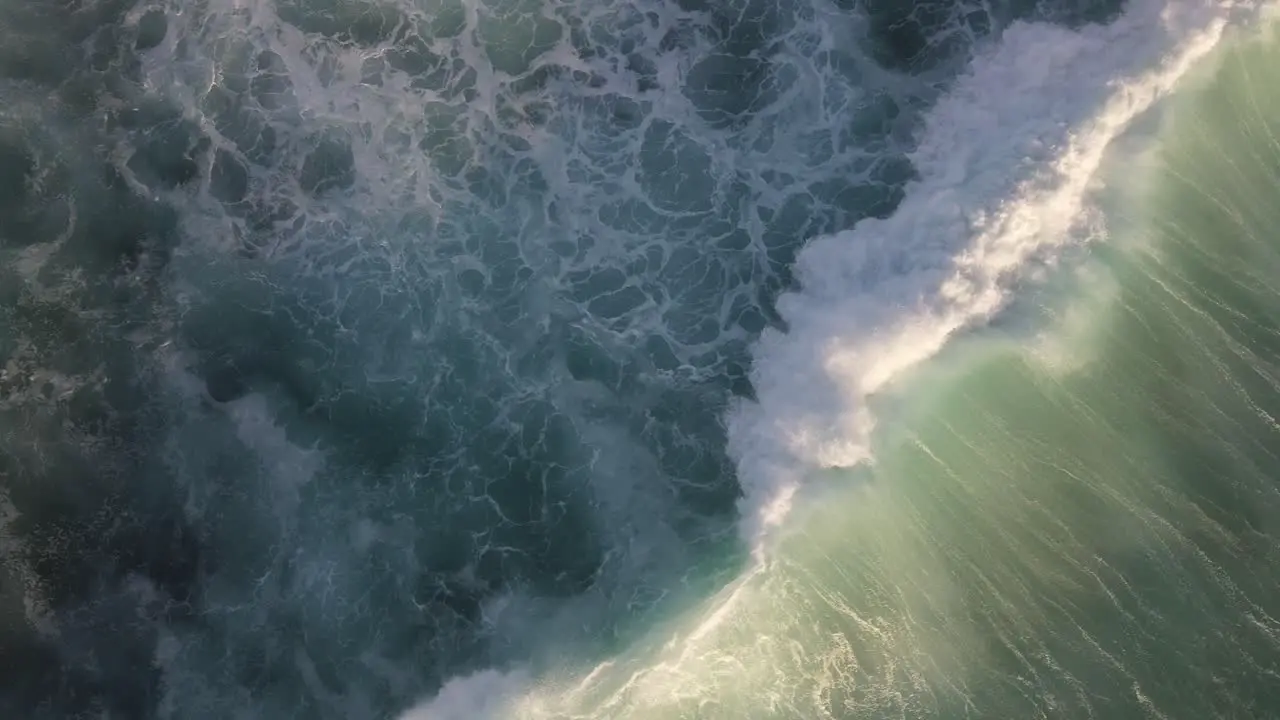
{"points": [[532, 359]]}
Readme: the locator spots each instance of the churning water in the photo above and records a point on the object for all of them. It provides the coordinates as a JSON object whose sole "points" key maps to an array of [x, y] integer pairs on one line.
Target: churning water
{"points": [[480, 359]]}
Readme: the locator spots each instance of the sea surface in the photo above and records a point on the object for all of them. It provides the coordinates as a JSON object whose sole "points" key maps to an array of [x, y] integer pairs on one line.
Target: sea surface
{"points": [[639, 359]]}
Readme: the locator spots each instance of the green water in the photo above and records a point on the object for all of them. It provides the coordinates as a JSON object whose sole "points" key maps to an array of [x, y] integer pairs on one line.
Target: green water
{"points": [[1079, 524], [1086, 525]]}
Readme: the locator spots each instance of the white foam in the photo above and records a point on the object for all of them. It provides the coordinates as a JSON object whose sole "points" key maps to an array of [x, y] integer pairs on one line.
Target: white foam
{"points": [[1005, 161], [481, 696]]}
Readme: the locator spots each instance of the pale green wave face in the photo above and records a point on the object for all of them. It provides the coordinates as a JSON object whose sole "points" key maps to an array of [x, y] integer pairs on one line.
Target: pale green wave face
{"points": [[1095, 538], [1082, 521]]}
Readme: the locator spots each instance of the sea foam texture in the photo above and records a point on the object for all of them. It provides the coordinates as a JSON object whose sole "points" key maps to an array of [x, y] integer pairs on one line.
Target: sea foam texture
{"points": [[1004, 164]]}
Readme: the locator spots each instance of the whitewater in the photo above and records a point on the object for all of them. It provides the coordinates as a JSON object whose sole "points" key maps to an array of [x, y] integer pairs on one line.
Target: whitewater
{"points": [[438, 360]]}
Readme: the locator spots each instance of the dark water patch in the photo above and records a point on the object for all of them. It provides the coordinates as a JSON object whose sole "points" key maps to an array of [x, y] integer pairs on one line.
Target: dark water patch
{"points": [[365, 23], [167, 156], [227, 381], [918, 36], [739, 78], [16, 166], [28, 215], [716, 87], [415, 58], [247, 128], [228, 178], [271, 85], [1072, 13], [330, 165], [152, 28], [132, 228]]}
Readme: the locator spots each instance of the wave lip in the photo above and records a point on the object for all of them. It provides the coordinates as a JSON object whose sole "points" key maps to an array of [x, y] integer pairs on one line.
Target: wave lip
{"points": [[1005, 162]]}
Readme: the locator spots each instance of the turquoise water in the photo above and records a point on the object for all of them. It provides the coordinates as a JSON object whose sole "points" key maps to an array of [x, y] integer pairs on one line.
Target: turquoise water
{"points": [[1084, 525], [449, 360]]}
